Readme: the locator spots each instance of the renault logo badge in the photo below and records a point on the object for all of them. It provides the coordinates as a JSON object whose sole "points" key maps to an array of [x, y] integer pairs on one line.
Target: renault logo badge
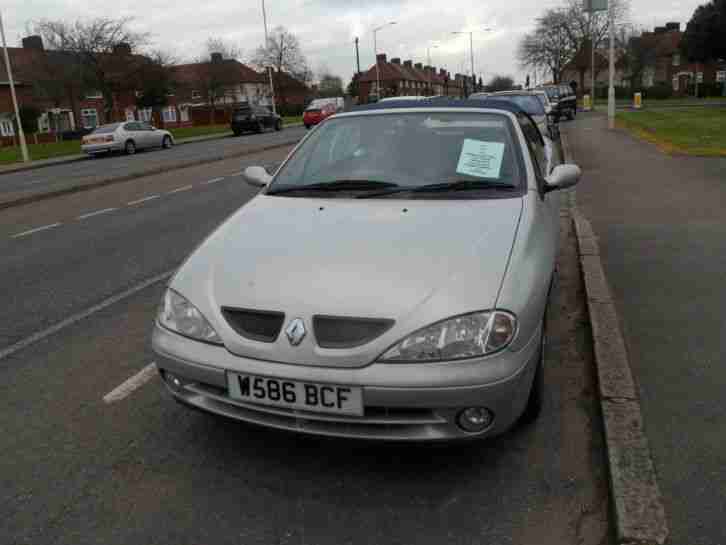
{"points": [[295, 331]]}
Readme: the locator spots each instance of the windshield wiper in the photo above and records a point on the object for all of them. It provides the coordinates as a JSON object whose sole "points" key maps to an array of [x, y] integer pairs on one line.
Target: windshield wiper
{"points": [[454, 185], [336, 185]]}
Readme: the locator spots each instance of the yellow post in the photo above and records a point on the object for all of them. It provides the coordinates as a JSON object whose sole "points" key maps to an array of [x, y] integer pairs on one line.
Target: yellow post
{"points": [[586, 105], [637, 101]]}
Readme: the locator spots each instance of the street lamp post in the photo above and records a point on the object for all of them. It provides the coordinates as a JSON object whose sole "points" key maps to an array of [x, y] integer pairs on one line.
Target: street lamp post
{"points": [[269, 68], [471, 47], [375, 53], [21, 133]]}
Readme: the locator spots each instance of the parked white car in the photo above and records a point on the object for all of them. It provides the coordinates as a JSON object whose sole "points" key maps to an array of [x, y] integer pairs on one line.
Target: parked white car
{"points": [[127, 137]]}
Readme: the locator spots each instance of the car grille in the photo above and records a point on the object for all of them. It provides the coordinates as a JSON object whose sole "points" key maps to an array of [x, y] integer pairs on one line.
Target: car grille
{"points": [[377, 422], [345, 332], [258, 325]]}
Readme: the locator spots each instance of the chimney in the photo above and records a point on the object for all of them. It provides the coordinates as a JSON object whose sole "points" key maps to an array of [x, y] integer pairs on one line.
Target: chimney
{"points": [[408, 64], [33, 42], [381, 57], [122, 48], [673, 26], [216, 57], [442, 72], [418, 66], [395, 60]]}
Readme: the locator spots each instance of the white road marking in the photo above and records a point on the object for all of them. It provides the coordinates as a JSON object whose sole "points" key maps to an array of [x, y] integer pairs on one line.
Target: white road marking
{"points": [[139, 201], [40, 335], [213, 181], [31, 231], [127, 387], [34, 182], [179, 189], [237, 173], [96, 213]]}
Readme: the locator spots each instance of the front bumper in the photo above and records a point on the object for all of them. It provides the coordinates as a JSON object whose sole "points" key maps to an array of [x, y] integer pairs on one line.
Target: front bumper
{"points": [[101, 148], [402, 401]]}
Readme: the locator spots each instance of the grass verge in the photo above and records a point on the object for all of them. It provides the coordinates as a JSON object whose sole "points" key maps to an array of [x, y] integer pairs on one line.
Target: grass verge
{"points": [[9, 155], [691, 131]]}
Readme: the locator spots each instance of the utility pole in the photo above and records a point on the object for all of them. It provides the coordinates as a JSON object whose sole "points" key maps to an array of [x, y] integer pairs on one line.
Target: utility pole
{"points": [[611, 83], [357, 56], [592, 63], [21, 133], [269, 68]]}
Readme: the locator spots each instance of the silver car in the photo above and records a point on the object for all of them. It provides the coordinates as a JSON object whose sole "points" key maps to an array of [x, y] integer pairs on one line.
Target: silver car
{"points": [[126, 137], [388, 282]]}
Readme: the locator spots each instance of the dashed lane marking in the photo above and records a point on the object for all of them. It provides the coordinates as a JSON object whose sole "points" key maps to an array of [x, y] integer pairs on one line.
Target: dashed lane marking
{"points": [[132, 384], [139, 201], [31, 231], [96, 213], [212, 181], [180, 189]]}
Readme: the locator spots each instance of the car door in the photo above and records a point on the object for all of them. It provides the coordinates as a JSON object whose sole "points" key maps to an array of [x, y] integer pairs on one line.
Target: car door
{"points": [[543, 165], [152, 137]]}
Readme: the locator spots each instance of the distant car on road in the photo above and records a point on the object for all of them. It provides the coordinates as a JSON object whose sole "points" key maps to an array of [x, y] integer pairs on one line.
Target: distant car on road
{"points": [[317, 111], [530, 103], [128, 137], [390, 281], [563, 99], [253, 118]]}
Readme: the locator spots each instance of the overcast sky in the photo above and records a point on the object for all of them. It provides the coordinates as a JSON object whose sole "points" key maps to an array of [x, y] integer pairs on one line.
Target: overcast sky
{"points": [[326, 28]]}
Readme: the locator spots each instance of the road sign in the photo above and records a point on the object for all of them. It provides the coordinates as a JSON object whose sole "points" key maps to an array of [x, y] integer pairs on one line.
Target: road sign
{"points": [[637, 101], [595, 5]]}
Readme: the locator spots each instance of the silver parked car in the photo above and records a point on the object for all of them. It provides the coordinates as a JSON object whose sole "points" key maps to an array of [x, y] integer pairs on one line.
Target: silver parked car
{"points": [[127, 137], [389, 282]]}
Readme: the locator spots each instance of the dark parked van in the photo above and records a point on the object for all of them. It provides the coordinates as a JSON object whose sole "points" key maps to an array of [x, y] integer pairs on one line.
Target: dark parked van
{"points": [[254, 118]]}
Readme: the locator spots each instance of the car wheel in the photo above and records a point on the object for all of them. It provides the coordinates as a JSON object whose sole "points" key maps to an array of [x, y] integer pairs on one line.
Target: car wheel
{"points": [[167, 142], [278, 125], [260, 128], [536, 394], [237, 133], [130, 147]]}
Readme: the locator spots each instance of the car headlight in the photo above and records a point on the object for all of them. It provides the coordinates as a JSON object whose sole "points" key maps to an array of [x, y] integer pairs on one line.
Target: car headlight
{"points": [[465, 336], [180, 316]]}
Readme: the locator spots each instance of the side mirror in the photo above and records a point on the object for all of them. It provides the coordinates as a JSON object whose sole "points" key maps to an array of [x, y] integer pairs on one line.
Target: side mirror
{"points": [[563, 176], [256, 176]]}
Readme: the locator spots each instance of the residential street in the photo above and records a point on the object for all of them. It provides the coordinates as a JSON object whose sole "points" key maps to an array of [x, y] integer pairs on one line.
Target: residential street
{"points": [[89, 170], [660, 224], [142, 469]]}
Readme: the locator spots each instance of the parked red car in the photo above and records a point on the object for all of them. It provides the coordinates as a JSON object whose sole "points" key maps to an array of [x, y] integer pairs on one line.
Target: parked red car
{"points": [[315, 113]]}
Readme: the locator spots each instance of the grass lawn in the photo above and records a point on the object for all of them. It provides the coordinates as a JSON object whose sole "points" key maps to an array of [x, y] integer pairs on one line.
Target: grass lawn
{"points": [[694, 131], [40, 151], [201, 130]]}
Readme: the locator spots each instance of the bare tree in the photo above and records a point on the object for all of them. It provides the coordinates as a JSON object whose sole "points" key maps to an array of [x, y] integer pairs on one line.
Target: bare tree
{"points": [[500, 83], [156, 80], [639, 55], [548, 47], [282, 53], [104, 48], [224, 47], [329, 84]]}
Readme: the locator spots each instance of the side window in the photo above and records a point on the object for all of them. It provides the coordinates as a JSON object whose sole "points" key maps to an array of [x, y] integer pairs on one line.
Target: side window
{"points": [[536, 148]]}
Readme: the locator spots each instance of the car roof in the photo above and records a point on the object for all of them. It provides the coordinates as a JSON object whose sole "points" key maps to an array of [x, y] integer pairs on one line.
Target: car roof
{"points": [[442, 105]]}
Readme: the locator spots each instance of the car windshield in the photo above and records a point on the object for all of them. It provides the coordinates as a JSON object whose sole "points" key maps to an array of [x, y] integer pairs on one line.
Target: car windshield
{"points": [[551, 92], [105, 129], [406, 149], [528, 103]]}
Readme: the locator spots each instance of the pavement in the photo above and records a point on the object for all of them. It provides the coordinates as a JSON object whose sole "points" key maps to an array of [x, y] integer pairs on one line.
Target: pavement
{"points": [[19, 187], [659, 222], [87, 271]]}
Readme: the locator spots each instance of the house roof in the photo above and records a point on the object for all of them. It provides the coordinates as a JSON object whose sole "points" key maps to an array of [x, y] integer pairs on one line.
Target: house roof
{"points": [[285, 80], [231, 72]]}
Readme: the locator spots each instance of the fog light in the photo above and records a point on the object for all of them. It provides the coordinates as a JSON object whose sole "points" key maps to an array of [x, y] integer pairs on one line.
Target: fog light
{"points": [[173, 381], [475, 419]]}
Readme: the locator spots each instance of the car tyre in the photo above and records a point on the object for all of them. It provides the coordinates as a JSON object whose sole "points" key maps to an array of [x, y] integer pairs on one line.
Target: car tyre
{"points": [[130, 147], [167, 142], [259, 128], [237, 133], [278, 125], [536, 395]]}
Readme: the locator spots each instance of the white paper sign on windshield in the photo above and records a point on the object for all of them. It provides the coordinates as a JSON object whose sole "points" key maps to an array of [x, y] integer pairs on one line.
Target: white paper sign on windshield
{"points": [[480, 159]]}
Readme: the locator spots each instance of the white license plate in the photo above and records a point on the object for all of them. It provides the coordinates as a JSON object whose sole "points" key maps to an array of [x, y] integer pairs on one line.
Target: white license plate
{"points": [[305, 396]]}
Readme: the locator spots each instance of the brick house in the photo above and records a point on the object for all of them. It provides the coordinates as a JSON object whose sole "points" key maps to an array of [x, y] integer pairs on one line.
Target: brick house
{"points": [[63, 104], [220, 82], [407, 79]]}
